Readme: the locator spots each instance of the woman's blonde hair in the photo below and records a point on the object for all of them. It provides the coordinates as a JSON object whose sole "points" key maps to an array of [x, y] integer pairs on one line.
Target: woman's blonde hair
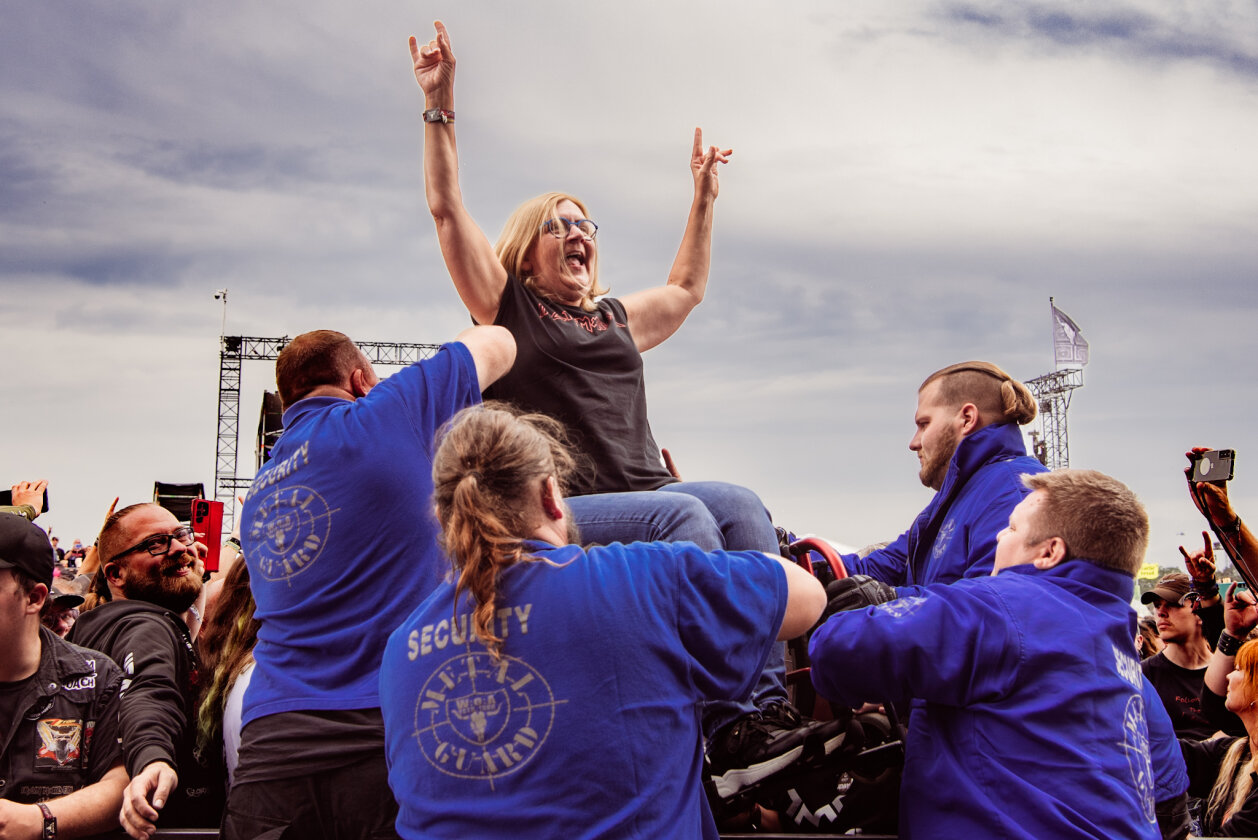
{"points": [[226, 645], [1235, 780], [521, 233], [490, 466]]}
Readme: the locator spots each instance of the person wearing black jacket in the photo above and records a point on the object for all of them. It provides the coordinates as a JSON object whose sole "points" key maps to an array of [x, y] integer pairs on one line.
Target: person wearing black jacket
{"points": [[151, 568], [1186, 622], [61, 770]]}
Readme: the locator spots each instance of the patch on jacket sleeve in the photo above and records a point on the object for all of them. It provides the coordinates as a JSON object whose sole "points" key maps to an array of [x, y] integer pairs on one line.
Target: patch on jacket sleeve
{"points": [[901, 607]]}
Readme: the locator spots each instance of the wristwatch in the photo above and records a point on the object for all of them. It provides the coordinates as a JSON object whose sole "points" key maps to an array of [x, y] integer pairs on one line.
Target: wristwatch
{"points": [[440, 115], [50, 823]]}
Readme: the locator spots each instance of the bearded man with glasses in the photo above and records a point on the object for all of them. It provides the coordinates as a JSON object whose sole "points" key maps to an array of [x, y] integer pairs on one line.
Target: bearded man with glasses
{"points": [[150, 575]]}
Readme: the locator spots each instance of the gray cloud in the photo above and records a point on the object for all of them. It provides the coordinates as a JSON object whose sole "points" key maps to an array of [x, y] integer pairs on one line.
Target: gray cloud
{"points": [[1146, 35], [910, 183]]}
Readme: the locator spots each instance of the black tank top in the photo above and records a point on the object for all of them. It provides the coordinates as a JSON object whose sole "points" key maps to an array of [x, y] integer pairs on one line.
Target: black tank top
{"points": [[583, 369]]}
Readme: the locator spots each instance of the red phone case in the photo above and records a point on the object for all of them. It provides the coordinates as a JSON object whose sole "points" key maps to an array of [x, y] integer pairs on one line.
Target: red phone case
{"points": [[207, 522]]}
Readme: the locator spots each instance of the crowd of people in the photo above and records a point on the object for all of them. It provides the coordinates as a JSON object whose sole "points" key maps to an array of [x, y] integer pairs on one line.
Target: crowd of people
{"points": [[585, 645]]}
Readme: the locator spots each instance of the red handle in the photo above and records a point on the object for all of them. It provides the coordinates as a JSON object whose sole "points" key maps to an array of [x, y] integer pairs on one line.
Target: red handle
{"points": [[800, 549]]}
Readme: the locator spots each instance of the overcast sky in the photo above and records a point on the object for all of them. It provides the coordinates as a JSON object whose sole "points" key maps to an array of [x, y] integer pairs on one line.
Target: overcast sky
{"points": [[911, 182]]}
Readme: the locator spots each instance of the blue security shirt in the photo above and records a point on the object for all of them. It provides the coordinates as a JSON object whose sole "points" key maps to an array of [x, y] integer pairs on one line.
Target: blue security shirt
{"points": [[1170, 773], [955, 536], [589, 726], [1029, 720], [340, 537]]}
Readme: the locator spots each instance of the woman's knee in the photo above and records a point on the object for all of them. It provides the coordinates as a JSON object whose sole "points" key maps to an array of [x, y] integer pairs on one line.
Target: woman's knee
{"points": [[724, 500], [684, 517]]}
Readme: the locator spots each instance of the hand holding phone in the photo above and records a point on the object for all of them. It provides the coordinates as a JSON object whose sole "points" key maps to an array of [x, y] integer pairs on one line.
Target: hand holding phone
{"points": [[33, 493]]}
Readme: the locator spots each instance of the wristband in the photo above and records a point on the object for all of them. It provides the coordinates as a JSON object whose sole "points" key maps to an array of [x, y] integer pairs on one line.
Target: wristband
{"points": [[234, 543], [50, 823], [1228, 644], [1206, 588], [441, 115], [1234, 528]]}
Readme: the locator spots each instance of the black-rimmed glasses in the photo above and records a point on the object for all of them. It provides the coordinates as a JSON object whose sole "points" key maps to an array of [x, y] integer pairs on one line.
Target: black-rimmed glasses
{"points": [[558, 228], [159, 544]]}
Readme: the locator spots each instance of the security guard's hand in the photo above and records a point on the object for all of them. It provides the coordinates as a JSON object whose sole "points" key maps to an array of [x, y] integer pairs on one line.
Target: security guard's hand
{"points": [[856, 593]]}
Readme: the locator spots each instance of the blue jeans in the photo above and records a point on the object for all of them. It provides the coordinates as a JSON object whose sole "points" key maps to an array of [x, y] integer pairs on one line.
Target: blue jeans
{"points": [[714, 516]]}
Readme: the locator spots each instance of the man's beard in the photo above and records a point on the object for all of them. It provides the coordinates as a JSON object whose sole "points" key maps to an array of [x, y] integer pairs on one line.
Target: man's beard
{"points": [[935, 464], [175, 593]]}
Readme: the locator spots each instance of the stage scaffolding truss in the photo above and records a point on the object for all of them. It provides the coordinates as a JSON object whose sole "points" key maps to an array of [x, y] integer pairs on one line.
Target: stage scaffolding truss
{"points": [[1052, 443], [234, 351]]}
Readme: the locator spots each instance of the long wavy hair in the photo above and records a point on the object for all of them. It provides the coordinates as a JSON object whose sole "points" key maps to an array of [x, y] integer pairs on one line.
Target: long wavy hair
{"points": [[1235, 780], [489, 470], [226, 647]]}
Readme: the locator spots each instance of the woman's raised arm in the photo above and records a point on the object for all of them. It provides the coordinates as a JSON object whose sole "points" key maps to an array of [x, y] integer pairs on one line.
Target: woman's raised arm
{"points": [[478, 276], [655, 314]]}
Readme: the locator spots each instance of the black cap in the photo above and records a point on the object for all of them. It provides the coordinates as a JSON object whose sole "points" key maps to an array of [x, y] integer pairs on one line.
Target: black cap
{"points": [[62, 594], [25, 546]]}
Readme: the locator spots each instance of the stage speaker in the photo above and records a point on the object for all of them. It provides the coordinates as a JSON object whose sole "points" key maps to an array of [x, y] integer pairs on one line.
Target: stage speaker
{"points": [[270, 424], [177, 498]]}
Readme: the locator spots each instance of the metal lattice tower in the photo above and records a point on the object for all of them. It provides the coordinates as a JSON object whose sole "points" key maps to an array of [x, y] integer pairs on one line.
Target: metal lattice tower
{"points": [[225, 483], [237, 349], [1053, 390]]}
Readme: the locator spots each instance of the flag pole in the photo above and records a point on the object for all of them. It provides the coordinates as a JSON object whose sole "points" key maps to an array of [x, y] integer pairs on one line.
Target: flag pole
{"points": [[1052, 335]]}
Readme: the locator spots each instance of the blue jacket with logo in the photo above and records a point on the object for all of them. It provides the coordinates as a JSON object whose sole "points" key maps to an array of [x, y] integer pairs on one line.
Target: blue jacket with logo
{"points": [[955, 536], [1029, 717]]}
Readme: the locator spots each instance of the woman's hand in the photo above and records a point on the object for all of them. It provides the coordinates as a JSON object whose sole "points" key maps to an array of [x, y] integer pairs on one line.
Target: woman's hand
{"points": [[90, 563], [434, 66], [702, 164]]}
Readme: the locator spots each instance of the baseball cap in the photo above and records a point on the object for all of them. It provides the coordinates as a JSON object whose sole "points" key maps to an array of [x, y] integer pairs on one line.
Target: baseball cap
{"points": [[1171, 588], [62, 595], [25, 546]]}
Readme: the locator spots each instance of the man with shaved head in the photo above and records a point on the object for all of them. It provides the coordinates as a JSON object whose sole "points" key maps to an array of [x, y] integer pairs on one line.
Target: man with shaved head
{"points": [[969, 445]]}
